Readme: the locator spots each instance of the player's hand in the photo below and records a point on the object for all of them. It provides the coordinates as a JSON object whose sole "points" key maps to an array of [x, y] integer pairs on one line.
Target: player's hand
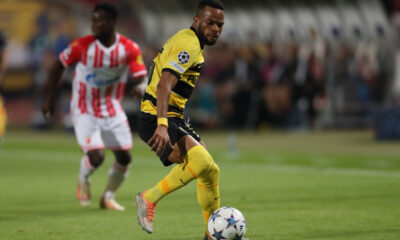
{"points": [[160, 140], [48, 108], [138, 92]]}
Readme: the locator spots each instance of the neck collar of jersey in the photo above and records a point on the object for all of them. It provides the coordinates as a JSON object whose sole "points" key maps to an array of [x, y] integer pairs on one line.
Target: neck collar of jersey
{"points": [[195, 32], [112, 45]]}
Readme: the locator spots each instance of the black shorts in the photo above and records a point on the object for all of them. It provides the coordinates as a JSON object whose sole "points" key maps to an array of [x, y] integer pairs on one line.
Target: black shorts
{"points": [[177, 128]]}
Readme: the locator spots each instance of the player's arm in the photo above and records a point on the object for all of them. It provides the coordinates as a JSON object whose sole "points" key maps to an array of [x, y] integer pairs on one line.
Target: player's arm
{"points": [[69, 56], [53, 80], [139, 87], [160, 138], [138, 70]]}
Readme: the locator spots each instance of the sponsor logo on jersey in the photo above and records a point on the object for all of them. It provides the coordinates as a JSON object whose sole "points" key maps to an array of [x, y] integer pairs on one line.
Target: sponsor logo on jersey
{"points": [[92, 79], [178, 67]]}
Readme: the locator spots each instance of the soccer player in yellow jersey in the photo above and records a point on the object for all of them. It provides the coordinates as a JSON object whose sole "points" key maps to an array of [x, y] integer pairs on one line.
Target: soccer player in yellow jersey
{"points": [[172, 78]]}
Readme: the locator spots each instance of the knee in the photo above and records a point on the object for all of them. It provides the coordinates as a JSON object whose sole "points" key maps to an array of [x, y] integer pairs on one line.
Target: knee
{"points": [[175, 157], [96, 157], [214, 170], [210, 178], [123, 157], [200, 160]]}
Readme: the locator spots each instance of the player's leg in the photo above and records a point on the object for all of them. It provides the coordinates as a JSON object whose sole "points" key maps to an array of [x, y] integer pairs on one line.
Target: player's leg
{"points": [[202, 193], [202, 166], [196, 158], [146, 200], [89, 163], [198, 163], [208, 192], [179, 175], [194, 161], [146, 127], [117, 174], [119, 139], [87, 133], [207, 171]]}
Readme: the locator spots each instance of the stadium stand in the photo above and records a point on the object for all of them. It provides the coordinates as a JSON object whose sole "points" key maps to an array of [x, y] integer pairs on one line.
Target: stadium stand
{"points": [[298, 65]]}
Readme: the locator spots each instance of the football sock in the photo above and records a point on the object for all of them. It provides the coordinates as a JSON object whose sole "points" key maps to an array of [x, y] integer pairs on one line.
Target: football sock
{"points": [[86, 169], [198, 163], [116, 176], [176, 178], [208, 192]]}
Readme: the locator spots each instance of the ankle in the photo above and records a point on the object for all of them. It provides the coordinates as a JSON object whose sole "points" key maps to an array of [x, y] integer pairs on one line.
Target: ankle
{"points": [[109, 195]]}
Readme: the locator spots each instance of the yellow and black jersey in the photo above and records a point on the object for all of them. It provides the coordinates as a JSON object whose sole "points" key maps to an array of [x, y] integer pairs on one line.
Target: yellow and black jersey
{"points": [[181, 55]]}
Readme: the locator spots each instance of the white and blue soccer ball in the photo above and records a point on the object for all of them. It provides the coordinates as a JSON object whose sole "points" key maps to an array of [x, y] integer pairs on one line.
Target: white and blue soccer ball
{"points": [[227, 223]]}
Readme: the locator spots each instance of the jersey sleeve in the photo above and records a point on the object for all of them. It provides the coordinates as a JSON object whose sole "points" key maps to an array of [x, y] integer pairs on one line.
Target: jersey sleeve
{"points": [[136, 65], [180, 58], [71, 54]]}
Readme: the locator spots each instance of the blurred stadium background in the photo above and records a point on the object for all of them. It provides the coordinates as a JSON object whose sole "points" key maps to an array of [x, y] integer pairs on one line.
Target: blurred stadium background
{"points": [[325, 73], [279, 64]]}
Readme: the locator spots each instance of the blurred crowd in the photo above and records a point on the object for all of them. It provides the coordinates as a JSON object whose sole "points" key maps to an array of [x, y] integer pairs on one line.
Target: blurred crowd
{"points": [[294, 83]]}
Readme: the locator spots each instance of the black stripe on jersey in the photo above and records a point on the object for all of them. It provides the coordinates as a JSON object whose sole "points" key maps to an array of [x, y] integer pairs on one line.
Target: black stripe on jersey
{"points": [[154, 102], [183, 89], [197, 68], [194, 30], [177, 75]]}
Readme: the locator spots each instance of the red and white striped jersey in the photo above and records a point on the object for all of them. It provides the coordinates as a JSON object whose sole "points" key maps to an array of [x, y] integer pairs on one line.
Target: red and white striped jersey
{"points": [[101, 74]]}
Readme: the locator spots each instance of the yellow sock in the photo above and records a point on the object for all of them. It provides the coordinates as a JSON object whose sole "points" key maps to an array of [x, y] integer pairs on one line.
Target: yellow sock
{"points": [[198, 164], [208, 192], [179, 176], [176, 178], [206, 216]]}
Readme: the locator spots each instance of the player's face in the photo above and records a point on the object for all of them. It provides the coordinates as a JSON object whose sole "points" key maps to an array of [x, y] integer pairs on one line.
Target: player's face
{"points": [[102, 24], [211, 21]]}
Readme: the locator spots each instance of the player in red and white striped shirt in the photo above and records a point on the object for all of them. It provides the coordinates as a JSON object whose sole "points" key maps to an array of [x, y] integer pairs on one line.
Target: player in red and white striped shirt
{"points": [[104, 62]]}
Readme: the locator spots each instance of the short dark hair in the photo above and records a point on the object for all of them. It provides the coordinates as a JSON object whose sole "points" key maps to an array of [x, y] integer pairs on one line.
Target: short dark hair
{"points": [[108, 8], [212, 3]]}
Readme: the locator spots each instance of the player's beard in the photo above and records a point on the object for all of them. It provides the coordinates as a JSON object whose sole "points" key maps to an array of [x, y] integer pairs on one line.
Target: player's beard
{"points": [[203, 38]]}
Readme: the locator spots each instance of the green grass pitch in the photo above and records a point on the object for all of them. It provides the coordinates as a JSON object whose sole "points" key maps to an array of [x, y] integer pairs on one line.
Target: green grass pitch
{"points": [[332, 185]]}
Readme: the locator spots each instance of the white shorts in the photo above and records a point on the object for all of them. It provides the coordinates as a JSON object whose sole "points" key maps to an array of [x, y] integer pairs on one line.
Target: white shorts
{"points": [[96, 133]]}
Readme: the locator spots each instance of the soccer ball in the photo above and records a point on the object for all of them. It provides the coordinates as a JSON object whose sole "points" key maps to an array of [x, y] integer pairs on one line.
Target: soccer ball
{"points": [[226, 223]]}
